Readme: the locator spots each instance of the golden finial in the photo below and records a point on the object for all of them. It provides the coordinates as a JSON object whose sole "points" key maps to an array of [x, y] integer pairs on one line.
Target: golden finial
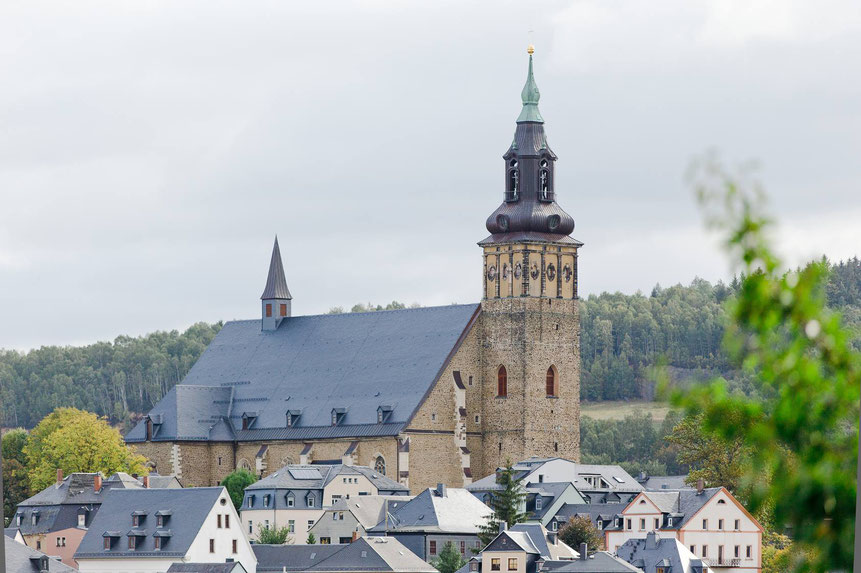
{"points": [[530, 50]]}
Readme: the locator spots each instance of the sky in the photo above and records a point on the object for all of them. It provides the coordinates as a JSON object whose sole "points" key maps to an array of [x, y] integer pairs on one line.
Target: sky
{"points": [[150, 150]]}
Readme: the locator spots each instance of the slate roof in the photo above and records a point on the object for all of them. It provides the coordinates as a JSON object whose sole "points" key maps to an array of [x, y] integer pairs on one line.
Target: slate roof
{"points": [[234, 567], [531, 538], [10, 532], [548, 491], [680, 505], [606, 512], [646, 553], [369, 510], [188, 509], [276, 284], [455, 511], [22, 559], [562, 470], [385, 554], [657, 483], [356, 361], [598, 562]]}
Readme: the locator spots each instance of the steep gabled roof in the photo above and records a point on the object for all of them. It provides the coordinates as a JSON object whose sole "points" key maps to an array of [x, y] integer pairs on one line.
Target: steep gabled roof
{"points": [[276, 284], [354, 361], [646, 553], [455, 511], [377, 554], [22, 559]]}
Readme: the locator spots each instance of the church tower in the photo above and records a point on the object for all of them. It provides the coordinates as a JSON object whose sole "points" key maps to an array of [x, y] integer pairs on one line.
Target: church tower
{"points": [[530, 355]]}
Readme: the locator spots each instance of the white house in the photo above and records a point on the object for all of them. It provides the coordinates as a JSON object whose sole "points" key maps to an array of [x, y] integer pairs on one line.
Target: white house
{"points": [[710, 522], [147, 530]]}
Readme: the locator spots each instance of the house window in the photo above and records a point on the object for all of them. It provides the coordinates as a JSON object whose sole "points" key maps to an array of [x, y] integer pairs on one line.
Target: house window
{"points": [[136, 520], [463, 547], [250, 527], [642, 524], [219, 460], [737, 551], [380, 465], [720, 553], [629, 524], [82, 520], [600, 524], [470, 380], [669, 521], [159, 521], [227, 521], [310, 523], [283, 309], [266, 500], [473, 565], [107, 543], [705, 550], [705, 524], [132, 540], [18, 520], [551, 382], [495, 564], [749, 551], [212, 546], [657, 523], [660, 570], [325, 540], [268, 309], [476, 418], [156, 542], [538, 503], [33, 519], [235, 547], [311, 501], [737, 524], [290, 501], [512, 563], [38, 545], [694, 549], [432, 545], [502, 382], [720, 524], [291, 526], [219, 521]]}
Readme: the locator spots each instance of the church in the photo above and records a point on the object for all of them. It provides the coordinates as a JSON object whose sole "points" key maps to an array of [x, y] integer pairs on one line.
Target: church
{"points": [[424, 395]]}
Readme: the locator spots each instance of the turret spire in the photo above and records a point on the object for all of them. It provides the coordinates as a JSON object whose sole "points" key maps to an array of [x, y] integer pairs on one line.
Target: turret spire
{"points": [[530, 96], [276, 296]]}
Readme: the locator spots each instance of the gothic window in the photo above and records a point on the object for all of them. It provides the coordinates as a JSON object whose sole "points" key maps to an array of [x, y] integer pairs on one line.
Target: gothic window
{"points": [[544, 181], [551, 387], [380, 465], [502, 382]]}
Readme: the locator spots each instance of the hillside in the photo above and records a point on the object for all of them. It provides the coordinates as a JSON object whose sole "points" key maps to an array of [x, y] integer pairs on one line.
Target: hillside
{"points": [[622, 337]]}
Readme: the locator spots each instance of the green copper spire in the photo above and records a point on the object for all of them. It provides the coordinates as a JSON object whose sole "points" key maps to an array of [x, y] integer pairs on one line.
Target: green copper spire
{"points": [[530, 96]]}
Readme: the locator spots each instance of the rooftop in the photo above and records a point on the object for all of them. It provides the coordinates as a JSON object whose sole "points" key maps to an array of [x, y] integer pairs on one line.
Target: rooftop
{"points": [[384, 554], [449, 510]]}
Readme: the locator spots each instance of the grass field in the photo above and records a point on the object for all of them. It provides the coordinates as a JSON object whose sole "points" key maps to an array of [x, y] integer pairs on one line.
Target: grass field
{"points": [[618, 410]]}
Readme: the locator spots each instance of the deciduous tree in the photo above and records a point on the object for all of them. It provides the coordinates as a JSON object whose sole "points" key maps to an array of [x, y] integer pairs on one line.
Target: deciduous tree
{"points": [[580, 530], [236, 482], [449, 560]]}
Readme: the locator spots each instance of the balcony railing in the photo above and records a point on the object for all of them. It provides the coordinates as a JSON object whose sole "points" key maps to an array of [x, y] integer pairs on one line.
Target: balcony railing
{"points": [[725, 562]]}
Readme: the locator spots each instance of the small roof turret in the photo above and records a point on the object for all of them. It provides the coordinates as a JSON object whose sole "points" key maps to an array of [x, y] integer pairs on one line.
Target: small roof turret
{"points": [[276, 284], [530, 96]]}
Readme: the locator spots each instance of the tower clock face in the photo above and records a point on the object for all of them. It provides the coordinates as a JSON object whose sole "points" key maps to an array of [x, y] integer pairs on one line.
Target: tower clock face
{"points": [[491, 273]]}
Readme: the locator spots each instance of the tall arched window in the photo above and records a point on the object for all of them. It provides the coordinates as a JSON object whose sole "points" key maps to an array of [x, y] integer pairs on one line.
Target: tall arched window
{"points": [[380, 465], [552, 389], [502, 382]]}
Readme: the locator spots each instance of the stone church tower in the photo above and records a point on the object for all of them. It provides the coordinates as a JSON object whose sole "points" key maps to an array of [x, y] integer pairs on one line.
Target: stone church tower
{"points": [[530, 350]]}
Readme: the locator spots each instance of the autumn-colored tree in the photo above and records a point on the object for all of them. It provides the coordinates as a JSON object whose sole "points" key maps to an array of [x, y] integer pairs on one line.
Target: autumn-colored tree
{"points": [[77, 441], [579, 530], [16, 484]]}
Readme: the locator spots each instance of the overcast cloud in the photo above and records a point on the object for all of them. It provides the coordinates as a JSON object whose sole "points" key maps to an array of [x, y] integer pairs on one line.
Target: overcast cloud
{"points": [[150, 150]]}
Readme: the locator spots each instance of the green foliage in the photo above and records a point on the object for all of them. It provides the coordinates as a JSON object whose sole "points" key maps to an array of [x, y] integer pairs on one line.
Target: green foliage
{"points": [[76, 441], [236, 482], [505, 503], [449, 560], [273, 535], [580, 530], [16, 487], [111, 379], [803, 426], [311, 539]]}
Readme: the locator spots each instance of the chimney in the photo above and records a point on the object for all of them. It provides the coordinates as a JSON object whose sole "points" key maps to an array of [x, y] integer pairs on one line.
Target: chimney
{"points": [[701, 484], [355, 536], [584, 551], [59, 476], [97, 483], [652, 540], [146, 482], [440, 489]]}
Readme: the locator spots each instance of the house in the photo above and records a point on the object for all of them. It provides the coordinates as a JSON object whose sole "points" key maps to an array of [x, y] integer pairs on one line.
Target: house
{"points": [[656, 554], [295, 496], [13, 533], [23, 559], [597, 562], [657, 483], [710, 522], [422, 395], [602, 515], [433, 518], [55, 519], [368, 555], [521, 549], [233, 567], [148, 530], [545, 499], [353, 517], [152, 480]]}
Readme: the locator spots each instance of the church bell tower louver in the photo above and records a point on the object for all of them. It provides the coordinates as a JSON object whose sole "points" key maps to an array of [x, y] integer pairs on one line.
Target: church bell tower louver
{"points": [[530, 311], [276, 298]]}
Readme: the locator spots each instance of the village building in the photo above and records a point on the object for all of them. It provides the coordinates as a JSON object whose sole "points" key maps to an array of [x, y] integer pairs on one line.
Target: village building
{"points": [[296, 496], [656, 554], [23, 559], [709, 522], [421, 395], [148, 530], [348, 519], [368, 555], [232, 567]]}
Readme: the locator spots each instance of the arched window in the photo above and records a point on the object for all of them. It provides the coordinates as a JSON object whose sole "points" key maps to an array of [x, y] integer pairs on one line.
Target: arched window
{"points": [[380, 465], [512, 189], [502, 382], [544, 181], [551, 387]]}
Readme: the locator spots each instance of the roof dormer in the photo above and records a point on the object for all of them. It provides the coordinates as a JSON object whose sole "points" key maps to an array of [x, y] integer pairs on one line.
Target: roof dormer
{"points": [[293, 418], [384, 412], [338, 416], [248, 419]]}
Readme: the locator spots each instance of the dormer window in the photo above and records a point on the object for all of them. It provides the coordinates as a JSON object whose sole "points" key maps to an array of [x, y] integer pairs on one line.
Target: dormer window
{"points": [[250, 501], [338, 415], [670, 521], [159, 521], [539, 502], [291, 500], [312, 501], [34, 518], [600, 524], [293, 418], [82, 519], [266, 499], [132, 542], [18, 520], [383, 414], [248, 419]]}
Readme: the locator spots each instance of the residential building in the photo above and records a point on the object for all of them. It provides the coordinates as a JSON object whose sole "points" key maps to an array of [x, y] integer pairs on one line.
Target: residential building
{"points": [[295, 496], [656, 554], [148, 530], [597, 562], [55, 520], [543, 501], [421, 395], [152, 480], [368, 555], [602, 515], [350, 518], [23, 559], [522, 549], [14, 533], [710, 522], [433, 518], [234, 567]]}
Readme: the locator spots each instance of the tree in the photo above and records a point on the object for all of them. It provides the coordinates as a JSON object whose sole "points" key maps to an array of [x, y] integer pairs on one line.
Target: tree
{"points": [[580, 530], [311, 539], [15, 481], [505, 504], [236, 482], [273, 535], [77, 441], [803, 426], [449, 560]]}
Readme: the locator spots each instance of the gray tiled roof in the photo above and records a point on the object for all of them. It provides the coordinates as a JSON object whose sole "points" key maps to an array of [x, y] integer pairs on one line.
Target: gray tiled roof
{"points": [[646, 553], [22, 559], [10, 532], [606, 512], [548, 493], [276, 284], [681, 505], [615, 477], [383, 554], [457, 511], [356, 361], [657, 483], [188, 509], [598, 562], [234, 567]]}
